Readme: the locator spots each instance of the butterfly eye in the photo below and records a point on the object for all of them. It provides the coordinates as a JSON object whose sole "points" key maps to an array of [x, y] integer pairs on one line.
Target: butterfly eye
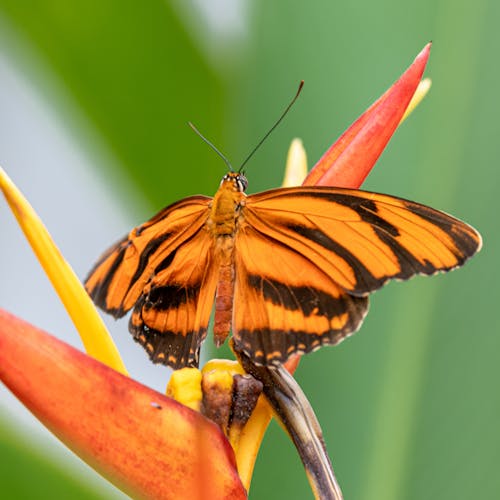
{"points": [[242, 183]]}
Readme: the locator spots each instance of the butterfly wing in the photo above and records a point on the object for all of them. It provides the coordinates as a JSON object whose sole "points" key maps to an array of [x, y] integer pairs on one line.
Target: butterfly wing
{"points": [[164, 269], [306, 259]]}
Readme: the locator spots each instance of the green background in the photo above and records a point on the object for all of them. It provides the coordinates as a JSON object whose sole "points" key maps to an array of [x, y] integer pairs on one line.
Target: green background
{"points": [[409, 406]]}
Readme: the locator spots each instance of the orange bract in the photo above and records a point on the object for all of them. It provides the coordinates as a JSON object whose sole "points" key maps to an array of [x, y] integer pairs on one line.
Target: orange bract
{"points": [[289, 269]]}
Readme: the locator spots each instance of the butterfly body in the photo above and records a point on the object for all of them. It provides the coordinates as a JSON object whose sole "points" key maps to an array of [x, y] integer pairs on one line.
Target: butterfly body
{"points": [[225, 212], [289, 269]]}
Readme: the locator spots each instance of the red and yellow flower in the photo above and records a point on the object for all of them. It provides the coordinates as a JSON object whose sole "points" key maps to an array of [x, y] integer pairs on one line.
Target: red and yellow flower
{"points": [[149, 444]]}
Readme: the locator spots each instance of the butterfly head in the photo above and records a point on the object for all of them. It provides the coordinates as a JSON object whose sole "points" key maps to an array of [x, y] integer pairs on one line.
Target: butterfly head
{"points": [[237, 180]]}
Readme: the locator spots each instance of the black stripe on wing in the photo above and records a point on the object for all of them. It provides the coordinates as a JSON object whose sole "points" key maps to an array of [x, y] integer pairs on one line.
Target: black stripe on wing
{"points": [[365, 280], [467, 240], [99, 293], [266, 344], [306, 299]]}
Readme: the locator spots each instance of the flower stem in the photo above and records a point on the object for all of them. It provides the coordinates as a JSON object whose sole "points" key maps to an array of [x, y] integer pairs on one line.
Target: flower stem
{"points": [[296, 415]]}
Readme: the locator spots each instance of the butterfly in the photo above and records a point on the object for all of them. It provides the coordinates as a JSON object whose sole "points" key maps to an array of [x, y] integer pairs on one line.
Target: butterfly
{"points": [[289, 269]]}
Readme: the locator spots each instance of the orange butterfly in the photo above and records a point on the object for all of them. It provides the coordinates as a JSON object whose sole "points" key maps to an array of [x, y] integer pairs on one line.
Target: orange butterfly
{"points": [[290, 269]]}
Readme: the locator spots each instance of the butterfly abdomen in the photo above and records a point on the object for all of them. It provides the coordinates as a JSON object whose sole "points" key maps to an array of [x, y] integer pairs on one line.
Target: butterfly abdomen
{"points": [[225, 289]]}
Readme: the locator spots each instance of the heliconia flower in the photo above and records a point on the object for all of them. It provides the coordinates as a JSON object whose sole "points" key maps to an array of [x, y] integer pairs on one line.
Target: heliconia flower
{"points": [[148, 444]]}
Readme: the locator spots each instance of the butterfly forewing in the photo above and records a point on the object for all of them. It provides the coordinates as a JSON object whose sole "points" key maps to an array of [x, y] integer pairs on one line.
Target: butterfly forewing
{"points": [[362, 239]]}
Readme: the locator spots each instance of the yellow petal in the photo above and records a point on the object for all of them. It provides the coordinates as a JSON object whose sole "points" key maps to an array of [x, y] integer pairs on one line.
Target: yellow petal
{"points": [[420, 93], [185, 387], [296, 165], [95, 337]]}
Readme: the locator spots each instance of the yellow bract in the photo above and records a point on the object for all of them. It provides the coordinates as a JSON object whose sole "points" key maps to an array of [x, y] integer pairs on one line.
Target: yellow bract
{"points": [[185, 387], [94, 334]]}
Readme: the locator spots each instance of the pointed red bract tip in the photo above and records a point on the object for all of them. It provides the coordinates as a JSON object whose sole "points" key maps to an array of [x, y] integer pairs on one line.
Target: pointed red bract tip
{"points": [[350, 159]]}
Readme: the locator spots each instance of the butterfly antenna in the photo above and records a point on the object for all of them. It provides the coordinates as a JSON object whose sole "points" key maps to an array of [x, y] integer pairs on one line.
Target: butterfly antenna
{"points": [[301, 84], [226, 161]]}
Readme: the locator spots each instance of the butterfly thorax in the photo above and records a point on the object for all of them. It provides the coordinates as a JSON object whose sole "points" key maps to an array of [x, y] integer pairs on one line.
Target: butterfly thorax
{"points": [[226, 205], [223, 224]]}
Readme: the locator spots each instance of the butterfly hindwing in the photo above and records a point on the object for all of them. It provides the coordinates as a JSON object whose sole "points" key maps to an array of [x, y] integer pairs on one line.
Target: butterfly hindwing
{"points": [[284, 303], [164, 270]]}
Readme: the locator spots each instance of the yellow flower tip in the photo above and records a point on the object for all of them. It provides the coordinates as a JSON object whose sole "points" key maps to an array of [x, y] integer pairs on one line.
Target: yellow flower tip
{"points": [[422, 90], [296, 165], [228, 365], [95, 337], [223, 380], [3, 177], [185, 387]]}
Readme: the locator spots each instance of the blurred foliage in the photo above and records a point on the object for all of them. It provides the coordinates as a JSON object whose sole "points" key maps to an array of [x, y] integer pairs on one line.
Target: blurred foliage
{"points": [[137, 76], [27, 474], [409, 406]]}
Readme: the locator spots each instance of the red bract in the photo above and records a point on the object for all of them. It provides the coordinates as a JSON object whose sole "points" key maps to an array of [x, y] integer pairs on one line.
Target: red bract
{"points": [[146, 443]]}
